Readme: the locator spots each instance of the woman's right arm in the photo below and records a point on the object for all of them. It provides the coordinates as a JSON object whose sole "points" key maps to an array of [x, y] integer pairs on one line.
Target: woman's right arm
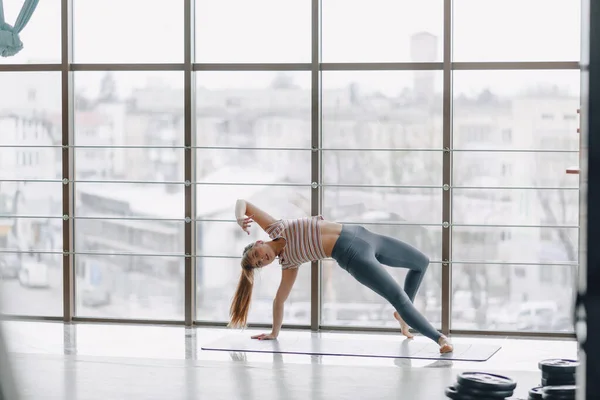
{"points": [[245, 208], [288, 278]]}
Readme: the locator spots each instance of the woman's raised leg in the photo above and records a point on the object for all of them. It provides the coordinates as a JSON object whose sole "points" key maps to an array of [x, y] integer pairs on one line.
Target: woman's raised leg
{"points": [[366, 269]]}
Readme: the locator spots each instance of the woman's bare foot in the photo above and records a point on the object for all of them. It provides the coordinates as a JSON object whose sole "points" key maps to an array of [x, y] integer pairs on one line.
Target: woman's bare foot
{"points": [[403, 326], [445, 345]]}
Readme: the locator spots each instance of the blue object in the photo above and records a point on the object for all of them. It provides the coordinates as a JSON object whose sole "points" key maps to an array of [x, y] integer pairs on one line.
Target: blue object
{"points": [[10, 42], [95, 271]]}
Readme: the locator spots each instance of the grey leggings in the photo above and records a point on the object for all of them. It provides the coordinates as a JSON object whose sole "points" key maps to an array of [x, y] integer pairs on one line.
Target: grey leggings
{"points": [[362, 253]]}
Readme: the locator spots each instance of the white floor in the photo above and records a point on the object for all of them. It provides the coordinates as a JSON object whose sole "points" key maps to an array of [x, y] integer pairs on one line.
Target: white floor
{"points": [[94, 361]]}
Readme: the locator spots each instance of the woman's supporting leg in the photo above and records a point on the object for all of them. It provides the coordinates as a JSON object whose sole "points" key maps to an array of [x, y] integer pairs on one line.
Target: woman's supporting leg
{"points": [[366, 269], [395, 253]]}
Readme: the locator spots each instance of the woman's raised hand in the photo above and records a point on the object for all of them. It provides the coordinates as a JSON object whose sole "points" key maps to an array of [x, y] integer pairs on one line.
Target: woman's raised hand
{"points": [[245, 223]]}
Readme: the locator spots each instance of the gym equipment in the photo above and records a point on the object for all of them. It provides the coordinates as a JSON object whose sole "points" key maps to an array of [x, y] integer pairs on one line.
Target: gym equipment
{"points": [[558, 366], [558, 371], [347, 346], [559, 392], [479, 393], [536, 393], [486, 381], [481, 385]]}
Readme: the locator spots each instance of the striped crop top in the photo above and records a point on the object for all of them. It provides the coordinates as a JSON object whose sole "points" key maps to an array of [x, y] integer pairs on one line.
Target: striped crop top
{"points": [[303, 240]]}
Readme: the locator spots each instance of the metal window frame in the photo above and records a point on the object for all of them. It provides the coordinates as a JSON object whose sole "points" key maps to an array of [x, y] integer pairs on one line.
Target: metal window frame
{"points": [[68, 160], [315, 67]]}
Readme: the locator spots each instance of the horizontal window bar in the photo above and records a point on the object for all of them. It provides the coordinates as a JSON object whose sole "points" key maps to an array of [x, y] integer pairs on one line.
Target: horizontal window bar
{"points": [[223, 324], [512, 151], [251, 67], [340, 185], [9, 251], [128, 321], [366, 149], [32, 180], [382, 66], [343, 185], [30, 146], [129, 182], [252, 184], [92, 253], [127, 67], [387, 223], [8, 216], [513, 188], [131, 219], [545, 335], [30, 67], [557, 264], [180, 255], [516, 226], [369, 149], [514, 65], [17, 317], [343, 66], [396, 223]]}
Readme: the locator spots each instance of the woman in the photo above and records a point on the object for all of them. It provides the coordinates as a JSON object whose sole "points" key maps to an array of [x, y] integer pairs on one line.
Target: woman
{"points": [[356, 249]]}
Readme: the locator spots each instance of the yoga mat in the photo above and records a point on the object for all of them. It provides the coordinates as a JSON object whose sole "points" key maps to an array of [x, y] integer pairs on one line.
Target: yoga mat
{"points": [[353, 347]]}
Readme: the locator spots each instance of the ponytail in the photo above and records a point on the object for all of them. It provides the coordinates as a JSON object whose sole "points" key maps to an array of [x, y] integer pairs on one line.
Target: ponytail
{"points": [[240, 306]]}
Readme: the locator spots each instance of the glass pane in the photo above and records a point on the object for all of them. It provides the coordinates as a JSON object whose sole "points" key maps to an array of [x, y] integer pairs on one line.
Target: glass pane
{"points": [[497, 169], [263, 31], [514, 245], [382, 30], [253, 109], [252, 166], [137, 287], [357, 204], [129, 109], [31, 223], [539, 30], [36, 95], [106, 31], [217, 279], [41, 36], [145, 101], [524, 298], [123, 109], [410, 168], [383, 109], [515, 207], [30, 234], [516, 110], [348, 303]]}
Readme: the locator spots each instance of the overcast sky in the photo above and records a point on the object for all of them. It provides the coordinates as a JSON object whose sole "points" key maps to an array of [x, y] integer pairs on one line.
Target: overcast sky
{"points": [[139, 31]]}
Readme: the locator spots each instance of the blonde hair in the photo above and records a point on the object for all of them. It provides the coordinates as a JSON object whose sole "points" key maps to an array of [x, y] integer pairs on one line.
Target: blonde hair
{"points": [[240, 305]]}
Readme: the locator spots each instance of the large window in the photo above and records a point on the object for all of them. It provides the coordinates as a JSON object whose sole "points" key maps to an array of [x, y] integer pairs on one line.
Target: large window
{"points": [[30, 194], [253, 142], [382, 168], [129, 195], [512, 201], [135, 158]]}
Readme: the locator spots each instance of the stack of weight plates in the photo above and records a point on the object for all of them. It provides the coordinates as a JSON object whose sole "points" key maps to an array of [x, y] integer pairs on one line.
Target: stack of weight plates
{"points": [[558, 380], [558, 372], [481, 385]]}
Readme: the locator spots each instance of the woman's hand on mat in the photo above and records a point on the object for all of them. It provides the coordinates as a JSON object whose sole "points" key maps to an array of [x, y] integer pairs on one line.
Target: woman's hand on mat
{"points": [[265, 336], [244, 223]]}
